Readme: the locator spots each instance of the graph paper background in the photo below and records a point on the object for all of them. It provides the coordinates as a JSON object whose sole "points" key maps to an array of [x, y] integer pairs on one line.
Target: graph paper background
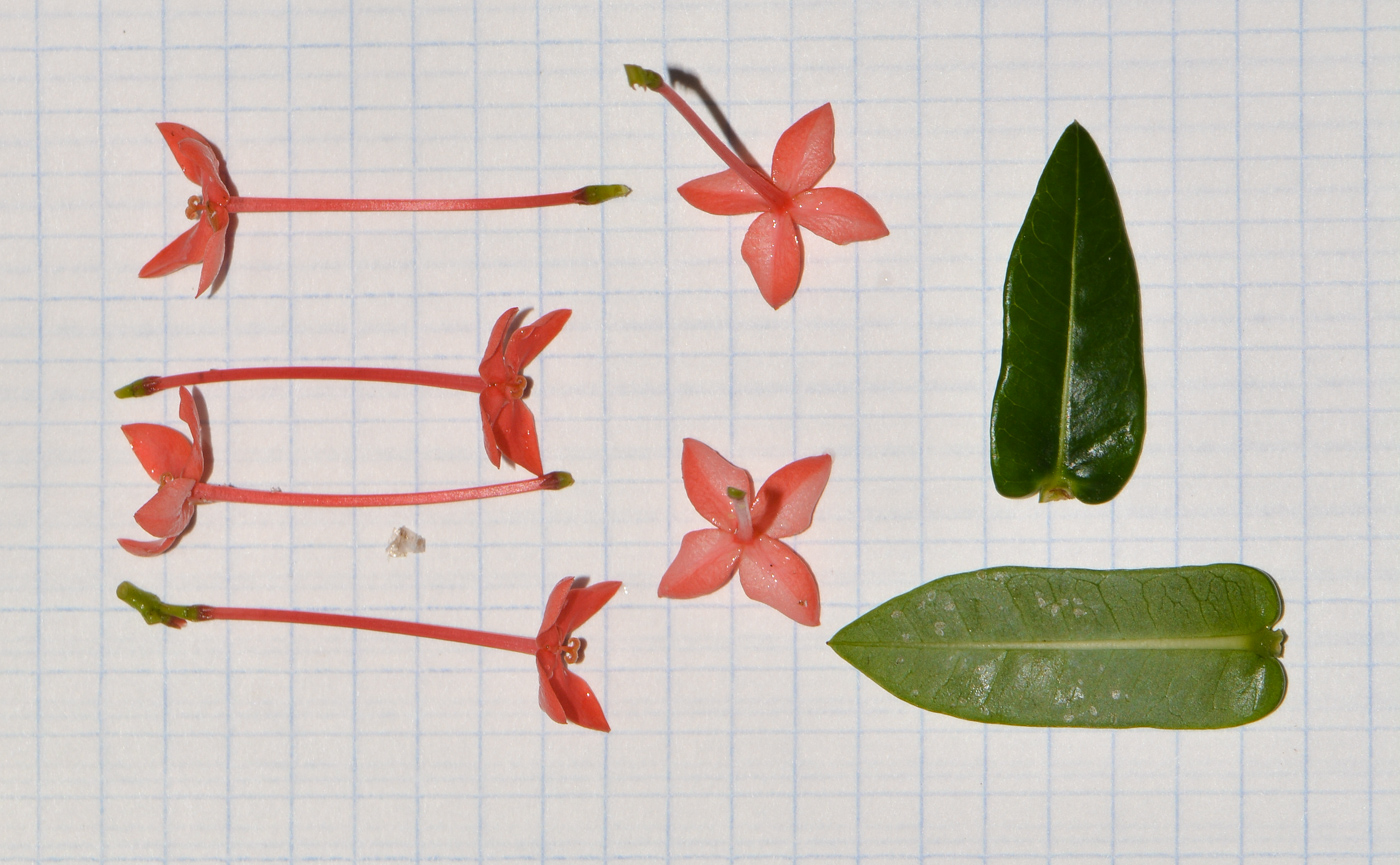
{"points": [[1256, 154]]}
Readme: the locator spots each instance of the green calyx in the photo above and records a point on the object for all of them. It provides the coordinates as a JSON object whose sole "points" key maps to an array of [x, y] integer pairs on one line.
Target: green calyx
{"points": [[561, 480], [141, 387], [599, 194], [639, 77], [154, 610]]}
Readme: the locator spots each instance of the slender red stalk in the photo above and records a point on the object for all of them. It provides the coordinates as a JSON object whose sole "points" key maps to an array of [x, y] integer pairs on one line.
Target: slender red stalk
{"points": [[584, 195], [486, 639], [762, 183], [449, 381], [203, 492]]}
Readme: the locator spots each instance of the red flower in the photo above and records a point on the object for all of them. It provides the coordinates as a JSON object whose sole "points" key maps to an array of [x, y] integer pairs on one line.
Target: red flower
{"points": [[505, 419], [747, 528], [773, 245], [205, 242], [177, 464], [784, 200], [563, 695]]}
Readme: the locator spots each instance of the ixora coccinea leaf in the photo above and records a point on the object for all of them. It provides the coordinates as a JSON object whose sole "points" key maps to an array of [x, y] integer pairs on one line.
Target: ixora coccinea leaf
{"points": [[1176, 648], [1070, 408]]}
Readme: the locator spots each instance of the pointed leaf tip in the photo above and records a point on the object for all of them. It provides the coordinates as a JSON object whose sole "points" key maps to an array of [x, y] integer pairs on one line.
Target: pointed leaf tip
{"points": [[640, 77], [599, 193]]}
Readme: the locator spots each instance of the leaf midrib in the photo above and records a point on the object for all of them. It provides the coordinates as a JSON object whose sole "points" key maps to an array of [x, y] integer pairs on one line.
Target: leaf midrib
{"points": [[1230, 642], [1069, 335]]}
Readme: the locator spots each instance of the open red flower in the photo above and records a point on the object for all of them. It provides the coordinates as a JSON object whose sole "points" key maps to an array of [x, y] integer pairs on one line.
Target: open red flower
{"points": [[177, 464], [211, 209], [207, 240], [783, 200], [746, 532], [565, 696], [506, 420]]}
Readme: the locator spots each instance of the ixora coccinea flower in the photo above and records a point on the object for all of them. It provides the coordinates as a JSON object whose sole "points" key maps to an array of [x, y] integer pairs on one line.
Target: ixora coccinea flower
{"points": [[747, 528], [206, 242], [177, 464], [783, 199], [507, 421], [564, 696]]}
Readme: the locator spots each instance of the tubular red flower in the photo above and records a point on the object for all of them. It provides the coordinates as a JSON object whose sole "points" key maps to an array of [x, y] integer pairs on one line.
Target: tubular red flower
{"points": [[747, 527], [177, 464], [508, 423], [783, 200], [207, 241], [564, 696]]}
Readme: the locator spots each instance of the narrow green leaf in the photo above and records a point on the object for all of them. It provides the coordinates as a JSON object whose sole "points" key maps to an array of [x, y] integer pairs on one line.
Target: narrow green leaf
{"points": [[1178, 648], [1071, 402]]}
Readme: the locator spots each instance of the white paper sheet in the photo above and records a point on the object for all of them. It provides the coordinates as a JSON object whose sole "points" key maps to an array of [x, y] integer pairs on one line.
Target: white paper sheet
{"points": [[1254, 150]]}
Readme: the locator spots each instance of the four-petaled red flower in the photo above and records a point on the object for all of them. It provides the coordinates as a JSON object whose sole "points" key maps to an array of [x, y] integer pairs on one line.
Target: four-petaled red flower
{"points": [[565, 696], [506, 420], [746, 533], [772, 247], [177, 464], [206, 241]]}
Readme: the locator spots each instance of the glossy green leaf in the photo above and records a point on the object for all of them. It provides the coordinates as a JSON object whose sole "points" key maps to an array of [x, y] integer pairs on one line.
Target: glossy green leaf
{"points": [[1179, 648], [1071, 402]]}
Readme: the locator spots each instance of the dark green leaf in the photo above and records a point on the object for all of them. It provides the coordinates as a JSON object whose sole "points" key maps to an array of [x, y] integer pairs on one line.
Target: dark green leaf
{"points": [[1179, 648], [1071, 402]]}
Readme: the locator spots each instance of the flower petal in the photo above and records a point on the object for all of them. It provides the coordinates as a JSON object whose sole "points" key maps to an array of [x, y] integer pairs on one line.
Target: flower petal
{"points": [[708, 478], [837, 214], [558, 596], [576, 699], [213, 259], [514, 433], [805, 151], [583, 602], [147, 548], [493, 363], [548, 664], [194, 464], [773, 573], [526, 343], [493, 400], [773, 251], [167, 512], [723, 194], [193, 151], [189, 248], [705, 563], [784, 505], [163, 452]]}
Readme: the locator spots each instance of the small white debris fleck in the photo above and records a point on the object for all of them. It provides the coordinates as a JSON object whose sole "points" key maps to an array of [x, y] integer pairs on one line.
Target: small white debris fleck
{"points": [[404, 541], [1115, 693]]}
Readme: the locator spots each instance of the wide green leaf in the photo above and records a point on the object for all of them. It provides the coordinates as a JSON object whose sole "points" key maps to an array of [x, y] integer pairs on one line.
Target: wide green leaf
{"points": [[1179, 648], [1070, 407]]}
